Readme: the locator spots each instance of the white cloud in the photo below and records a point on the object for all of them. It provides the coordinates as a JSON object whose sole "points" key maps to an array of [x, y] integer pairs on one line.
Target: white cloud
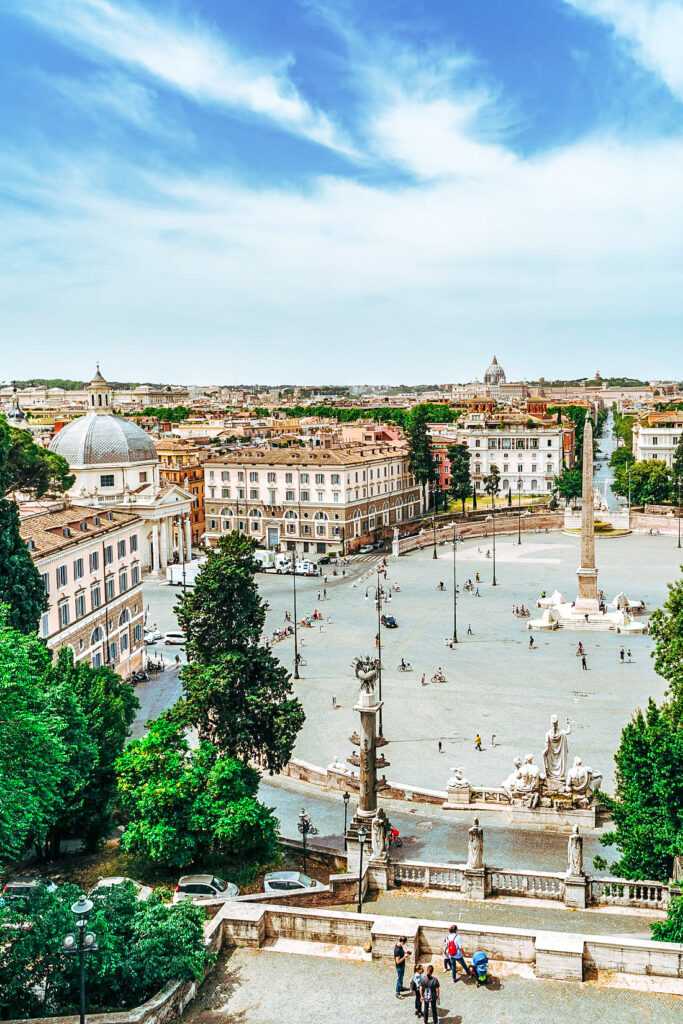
{"points": [[209, 280], [189, 56], [652, 28]]}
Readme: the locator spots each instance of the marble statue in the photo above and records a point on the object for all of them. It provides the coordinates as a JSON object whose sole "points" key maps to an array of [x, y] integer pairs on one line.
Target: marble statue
{"points": [[575, 853], [458, 780], [582, 783], [529, 787], [555, 754], [380, 831], [475, 847], [514, 778], [366, 670]]}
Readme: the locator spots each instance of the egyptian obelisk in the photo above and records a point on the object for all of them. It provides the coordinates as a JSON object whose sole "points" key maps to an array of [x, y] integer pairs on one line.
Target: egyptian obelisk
{"points": [[587, 601]]}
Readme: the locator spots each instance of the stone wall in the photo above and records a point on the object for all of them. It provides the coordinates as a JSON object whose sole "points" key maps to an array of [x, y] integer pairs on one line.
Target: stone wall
{"points": [[506, 523]]}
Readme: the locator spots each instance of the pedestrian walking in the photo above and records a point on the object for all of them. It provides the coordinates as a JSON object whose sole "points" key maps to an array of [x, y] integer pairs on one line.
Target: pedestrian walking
{"points": [[334, 701], [400, 956], [584, 665], [477, 742], [531, 643], [622, 654], [493, 739], [469, 631], [476, 593], [440, 747], [423, 680], [628, 655], [429, 987], [416, 988], [453, 952], [324, 593]]}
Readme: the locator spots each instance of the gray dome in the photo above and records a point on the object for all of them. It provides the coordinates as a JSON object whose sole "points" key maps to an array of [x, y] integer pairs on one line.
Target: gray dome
{"points": [[95, 440], [495, 373]]}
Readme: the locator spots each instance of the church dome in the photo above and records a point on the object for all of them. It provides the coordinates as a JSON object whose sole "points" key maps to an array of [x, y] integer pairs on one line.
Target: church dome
{"points": [[495, 373], [97, 439]]}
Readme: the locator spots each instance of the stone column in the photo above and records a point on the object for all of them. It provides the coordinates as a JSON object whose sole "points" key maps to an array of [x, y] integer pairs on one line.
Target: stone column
{"points": [[163, 552], [188, 538], [368, 707], [155, 548], [179, 530], [587, 600]]}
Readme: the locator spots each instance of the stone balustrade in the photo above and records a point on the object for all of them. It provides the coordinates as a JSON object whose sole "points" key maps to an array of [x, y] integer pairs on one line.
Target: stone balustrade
{"points": [[542, 885], [624, 893], [430, 876]]}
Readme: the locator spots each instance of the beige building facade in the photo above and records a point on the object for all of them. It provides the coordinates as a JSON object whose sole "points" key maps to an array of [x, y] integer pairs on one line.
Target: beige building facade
{"points": [[316, 501], [90, 563]]}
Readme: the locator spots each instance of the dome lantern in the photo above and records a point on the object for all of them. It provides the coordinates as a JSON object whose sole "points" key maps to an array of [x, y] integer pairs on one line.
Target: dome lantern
{"points": [[100, 394]]}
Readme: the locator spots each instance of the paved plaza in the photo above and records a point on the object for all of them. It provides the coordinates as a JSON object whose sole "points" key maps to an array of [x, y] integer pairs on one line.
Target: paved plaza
{"points": [[267, 987]]}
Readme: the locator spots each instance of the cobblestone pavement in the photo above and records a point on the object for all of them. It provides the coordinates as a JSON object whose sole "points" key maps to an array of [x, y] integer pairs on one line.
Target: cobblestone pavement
{"points": [[523, 913], [261, 987]]}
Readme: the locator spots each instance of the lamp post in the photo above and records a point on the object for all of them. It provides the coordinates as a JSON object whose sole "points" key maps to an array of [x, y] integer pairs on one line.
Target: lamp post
{"points": [[306, 827], [346, 796], [362, 839], [519, 510], [378, 602], [455, 586], [296, 628], [434, 554], [80, 943]]}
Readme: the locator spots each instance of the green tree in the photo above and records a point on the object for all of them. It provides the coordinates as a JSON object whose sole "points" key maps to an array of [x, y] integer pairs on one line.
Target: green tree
{"points": [[677, 462], [184, 805], [461, 481], [620, 458], [650, 482], [492, 484], [422, 463], [235, 691], [670, 930], [569, 483], [666, 629], [648, 805]]}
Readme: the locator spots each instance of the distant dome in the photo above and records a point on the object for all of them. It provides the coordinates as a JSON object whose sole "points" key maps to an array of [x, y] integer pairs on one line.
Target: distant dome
{"points": [[495, 373], [98, 439]]}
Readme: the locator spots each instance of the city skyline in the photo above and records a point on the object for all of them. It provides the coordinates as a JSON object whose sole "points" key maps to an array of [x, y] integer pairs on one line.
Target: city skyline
{"points": [[335, 193]]}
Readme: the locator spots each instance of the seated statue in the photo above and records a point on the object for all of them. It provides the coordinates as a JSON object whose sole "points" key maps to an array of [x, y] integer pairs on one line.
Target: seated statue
{"points": [[530, 788], [458, 780], [582, 783], [514, 779]]}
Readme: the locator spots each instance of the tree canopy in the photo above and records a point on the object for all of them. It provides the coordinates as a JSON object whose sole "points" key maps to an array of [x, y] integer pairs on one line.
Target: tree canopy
{"points": [[461, 481], [183, 805], [569, 483], [422, 463], [649, 482]]}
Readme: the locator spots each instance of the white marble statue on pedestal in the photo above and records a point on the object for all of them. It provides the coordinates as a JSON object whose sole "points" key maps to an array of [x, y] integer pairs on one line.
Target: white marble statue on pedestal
{"points": [[510, 785], [555, 754], [475, 847], [458, 780], [379, 833], [582, 783], [575, 853]]}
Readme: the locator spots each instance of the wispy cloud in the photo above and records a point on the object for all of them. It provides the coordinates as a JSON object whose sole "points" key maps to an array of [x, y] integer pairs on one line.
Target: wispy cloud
{"points": [[190, 56], [653, 30]]}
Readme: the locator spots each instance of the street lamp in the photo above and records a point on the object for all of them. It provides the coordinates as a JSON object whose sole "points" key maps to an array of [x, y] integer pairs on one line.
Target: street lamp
{"points": [[296, 628], [434, 554], [306, 827], [494, 582], [455, 586], [80, 943], [519, 510], [346, 796], [362, 839]]}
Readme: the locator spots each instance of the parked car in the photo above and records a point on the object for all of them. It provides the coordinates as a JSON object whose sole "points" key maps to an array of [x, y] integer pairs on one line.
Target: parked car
{"points": [[25, 888], [153, 636], [366, 549], [389, 622], [174, 637], [288, 881], [205, 887], [104, 884]]}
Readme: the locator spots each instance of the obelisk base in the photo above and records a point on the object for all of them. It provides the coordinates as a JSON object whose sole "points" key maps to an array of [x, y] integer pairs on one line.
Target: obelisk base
{"points": [[587, 601]]}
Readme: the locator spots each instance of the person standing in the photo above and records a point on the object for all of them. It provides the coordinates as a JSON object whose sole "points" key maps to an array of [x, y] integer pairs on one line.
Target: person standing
{"points": [[469, 631], [531, 643], [453, 952], [584, 664], [477, 742], [416, 988], [622, 654], [430, 995], [400, 956]]}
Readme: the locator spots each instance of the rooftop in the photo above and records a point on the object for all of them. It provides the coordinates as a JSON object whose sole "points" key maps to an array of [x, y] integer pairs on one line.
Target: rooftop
{"points": [[48, 532], [345, 455]]}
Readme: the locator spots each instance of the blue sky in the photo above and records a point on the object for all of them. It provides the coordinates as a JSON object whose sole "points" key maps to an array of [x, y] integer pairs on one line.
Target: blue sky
{"points": [[341, 191]]}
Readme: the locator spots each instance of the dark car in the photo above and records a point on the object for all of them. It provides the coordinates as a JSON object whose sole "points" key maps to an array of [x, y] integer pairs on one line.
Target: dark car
{"points": [[389, 621]]}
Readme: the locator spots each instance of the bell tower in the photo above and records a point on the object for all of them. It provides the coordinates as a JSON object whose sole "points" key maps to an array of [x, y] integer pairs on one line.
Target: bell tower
{"points": [[100, 394]]}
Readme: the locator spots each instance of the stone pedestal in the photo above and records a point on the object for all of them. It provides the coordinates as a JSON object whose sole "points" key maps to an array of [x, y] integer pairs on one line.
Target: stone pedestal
{"points": [[559, 956], [458, 796], [576, 891], [474, 884]]}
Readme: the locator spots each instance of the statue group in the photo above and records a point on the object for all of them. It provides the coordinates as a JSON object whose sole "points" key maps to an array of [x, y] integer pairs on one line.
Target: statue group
{"points": [[528, 786]]}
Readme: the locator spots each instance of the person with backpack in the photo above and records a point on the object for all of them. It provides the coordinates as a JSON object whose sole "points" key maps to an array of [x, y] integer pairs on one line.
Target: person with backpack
{"points": [[416, 989], [453, 952], [429, 988]]}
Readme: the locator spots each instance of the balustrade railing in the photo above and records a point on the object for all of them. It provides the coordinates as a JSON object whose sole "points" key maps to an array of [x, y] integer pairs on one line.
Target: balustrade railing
{"points": [[430, 876], [537, 884], [488, 795], [624, 893]]}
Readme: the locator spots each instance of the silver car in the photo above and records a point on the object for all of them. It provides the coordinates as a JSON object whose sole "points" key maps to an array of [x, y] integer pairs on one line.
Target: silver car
{"points": [[204, 887], [289, 881]]}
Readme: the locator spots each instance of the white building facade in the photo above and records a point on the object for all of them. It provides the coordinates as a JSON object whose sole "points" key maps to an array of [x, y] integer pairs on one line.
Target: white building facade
{"points": [[657, 437]]}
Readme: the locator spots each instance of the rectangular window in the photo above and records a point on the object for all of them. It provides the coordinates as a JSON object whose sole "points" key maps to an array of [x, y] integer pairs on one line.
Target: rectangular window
{"points": [[143, 476], [108, 554], [253, 477], [320, 478], [113, 652], [97, 660], [63, 614], [305, 495], [137, 633], [335, 497], [123, 582], [321, 495], [80, 606], [95, 596], [271, 478], [225, 492], [520, 467], [336, 478], [212, 524], [240, 474], [78, 569], [109, 588], [225, 475], [288, 478], [135, 575], [253, 494], [121, 549], [107, 480], [62, 575], [289, 495], [124, 642], [134, 542], [303, 478], [44, 625], [45, 577]]}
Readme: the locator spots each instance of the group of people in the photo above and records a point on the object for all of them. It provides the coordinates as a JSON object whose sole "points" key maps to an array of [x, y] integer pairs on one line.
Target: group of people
{"points": [[521, 611], [424, 985]]}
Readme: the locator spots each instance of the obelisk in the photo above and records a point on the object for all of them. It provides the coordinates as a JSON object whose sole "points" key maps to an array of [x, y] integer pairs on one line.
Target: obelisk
{"points": [[587, 601]]}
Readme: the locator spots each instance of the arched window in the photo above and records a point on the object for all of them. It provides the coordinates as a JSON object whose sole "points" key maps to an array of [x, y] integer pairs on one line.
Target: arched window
{"points": [[124, 617], [226, 512], [290, 515], [321, 515], [96, 636], [255, 513]]}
